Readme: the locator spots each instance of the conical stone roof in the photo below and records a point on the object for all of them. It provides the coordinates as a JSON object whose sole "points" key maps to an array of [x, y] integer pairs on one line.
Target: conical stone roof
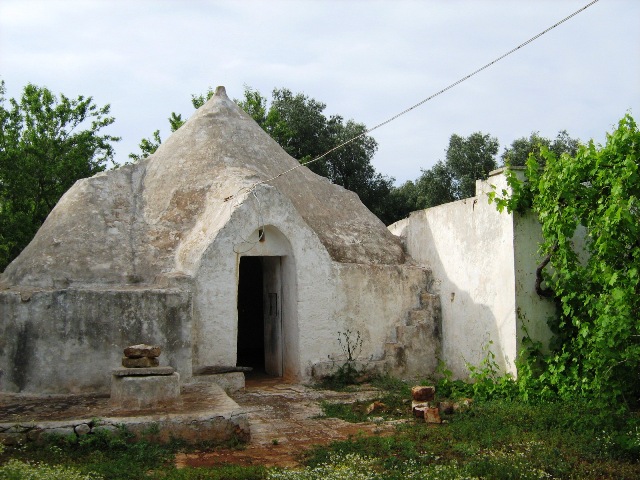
{"points": [[125, 226]]}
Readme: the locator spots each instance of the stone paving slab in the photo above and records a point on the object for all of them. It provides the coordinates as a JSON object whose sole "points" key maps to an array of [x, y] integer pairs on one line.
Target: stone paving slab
{"points": [[205, 412], [285, 421]]}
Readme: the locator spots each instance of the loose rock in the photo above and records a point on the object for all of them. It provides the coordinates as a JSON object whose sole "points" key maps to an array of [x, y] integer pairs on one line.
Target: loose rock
{"points": [[142, 362], [375, 406], [418, 409], [423, 394], [432, 415], [142, 350], [82, 429]]}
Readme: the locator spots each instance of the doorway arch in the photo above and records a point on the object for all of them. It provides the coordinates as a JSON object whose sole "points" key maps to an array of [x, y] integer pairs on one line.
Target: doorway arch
{"points": [[267, 306]]}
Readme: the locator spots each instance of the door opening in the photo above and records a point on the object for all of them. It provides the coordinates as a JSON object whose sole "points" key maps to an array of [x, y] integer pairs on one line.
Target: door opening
{"points": [[250, 314], [260, 336]]}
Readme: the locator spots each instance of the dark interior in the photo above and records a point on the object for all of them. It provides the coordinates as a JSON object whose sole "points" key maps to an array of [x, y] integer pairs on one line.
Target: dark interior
{"points": [[250, 315]]}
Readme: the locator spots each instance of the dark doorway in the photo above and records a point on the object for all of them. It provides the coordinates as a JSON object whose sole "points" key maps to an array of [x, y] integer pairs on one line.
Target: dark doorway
{"points": [[251, 314]]}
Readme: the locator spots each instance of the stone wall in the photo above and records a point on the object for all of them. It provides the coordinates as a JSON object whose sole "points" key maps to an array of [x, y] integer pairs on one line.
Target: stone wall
{"points": [[68, 341], [483, 264]]}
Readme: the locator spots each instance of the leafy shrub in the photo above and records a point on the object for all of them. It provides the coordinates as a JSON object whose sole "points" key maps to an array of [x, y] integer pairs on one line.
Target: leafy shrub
{"points": [[596, 351]]}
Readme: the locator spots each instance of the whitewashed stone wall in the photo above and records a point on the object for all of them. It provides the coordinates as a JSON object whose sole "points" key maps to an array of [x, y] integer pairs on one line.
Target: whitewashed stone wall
{"points": [[483, 264], [321, 297], [68, 341]]}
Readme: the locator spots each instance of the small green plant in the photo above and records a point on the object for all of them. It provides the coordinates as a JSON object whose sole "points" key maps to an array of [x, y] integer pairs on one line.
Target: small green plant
{"points": [[348, 373], [152, 430], [351, 345], [488, 379], [446, 387]]}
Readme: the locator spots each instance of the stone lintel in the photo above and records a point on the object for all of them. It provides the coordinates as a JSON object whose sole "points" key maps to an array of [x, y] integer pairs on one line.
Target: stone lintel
{"points": [[136, 372]]}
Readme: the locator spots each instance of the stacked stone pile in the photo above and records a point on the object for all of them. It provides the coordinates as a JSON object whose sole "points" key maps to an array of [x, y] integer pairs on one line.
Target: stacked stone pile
{"points": [[142, 383], [141, 356], [423, 404]]}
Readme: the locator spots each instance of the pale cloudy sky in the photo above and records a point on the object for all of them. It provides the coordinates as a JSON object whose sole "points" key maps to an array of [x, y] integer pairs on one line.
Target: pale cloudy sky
{"points": [[366, 60]]}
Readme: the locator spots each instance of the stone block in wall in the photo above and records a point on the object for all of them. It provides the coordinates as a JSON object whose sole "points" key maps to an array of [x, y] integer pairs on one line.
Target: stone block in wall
{"points": [[417, 317]]}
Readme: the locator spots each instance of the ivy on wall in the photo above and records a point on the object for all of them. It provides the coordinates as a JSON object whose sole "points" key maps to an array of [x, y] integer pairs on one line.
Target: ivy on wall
{"points": [[596, 347]]}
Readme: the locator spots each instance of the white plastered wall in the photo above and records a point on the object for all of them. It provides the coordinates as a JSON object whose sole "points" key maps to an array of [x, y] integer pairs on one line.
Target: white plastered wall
{"points": [[306, 269], [321, 297], [483, 264], [373, 300]]}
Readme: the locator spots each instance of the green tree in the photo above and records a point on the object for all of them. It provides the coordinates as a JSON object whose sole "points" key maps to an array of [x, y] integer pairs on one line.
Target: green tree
{"points": [[402, 201], [596, 352], [518, 153], [46, 144], [470, 159], [467, 159], [148, 146], [436, 186]]}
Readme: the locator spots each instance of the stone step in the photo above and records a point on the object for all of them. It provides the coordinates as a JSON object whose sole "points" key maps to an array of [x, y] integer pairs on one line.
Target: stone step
{"points": [[417, 317], [404, 333], [391, 350], [427, 299]]}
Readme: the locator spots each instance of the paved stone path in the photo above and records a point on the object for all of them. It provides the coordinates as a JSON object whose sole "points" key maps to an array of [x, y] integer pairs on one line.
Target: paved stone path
{"points": [[285, 422]]}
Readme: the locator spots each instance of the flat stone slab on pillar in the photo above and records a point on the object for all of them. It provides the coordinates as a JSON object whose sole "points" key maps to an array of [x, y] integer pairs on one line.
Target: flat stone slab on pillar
{"points": [[144, 391]]}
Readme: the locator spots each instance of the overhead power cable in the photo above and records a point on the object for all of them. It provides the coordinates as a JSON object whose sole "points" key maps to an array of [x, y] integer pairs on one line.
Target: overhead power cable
{"points": [[420, 103]]}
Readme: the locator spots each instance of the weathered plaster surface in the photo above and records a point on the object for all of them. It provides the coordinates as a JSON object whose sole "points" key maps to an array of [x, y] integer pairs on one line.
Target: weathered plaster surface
{"points": [[67, 341], [483, 264], [374, 300]]}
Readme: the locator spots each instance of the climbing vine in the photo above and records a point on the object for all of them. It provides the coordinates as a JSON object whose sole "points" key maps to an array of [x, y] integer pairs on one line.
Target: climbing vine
{"points": [[593, 195]]}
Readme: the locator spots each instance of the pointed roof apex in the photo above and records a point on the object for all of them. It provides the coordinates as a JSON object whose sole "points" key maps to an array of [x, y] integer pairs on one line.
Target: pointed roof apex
{"points": [[221, 91]]}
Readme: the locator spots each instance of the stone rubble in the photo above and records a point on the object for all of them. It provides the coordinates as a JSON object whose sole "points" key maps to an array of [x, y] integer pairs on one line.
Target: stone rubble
{"points": [[423, 394], [424, 407], [142, 362], [141, 356], [142, 350]]}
